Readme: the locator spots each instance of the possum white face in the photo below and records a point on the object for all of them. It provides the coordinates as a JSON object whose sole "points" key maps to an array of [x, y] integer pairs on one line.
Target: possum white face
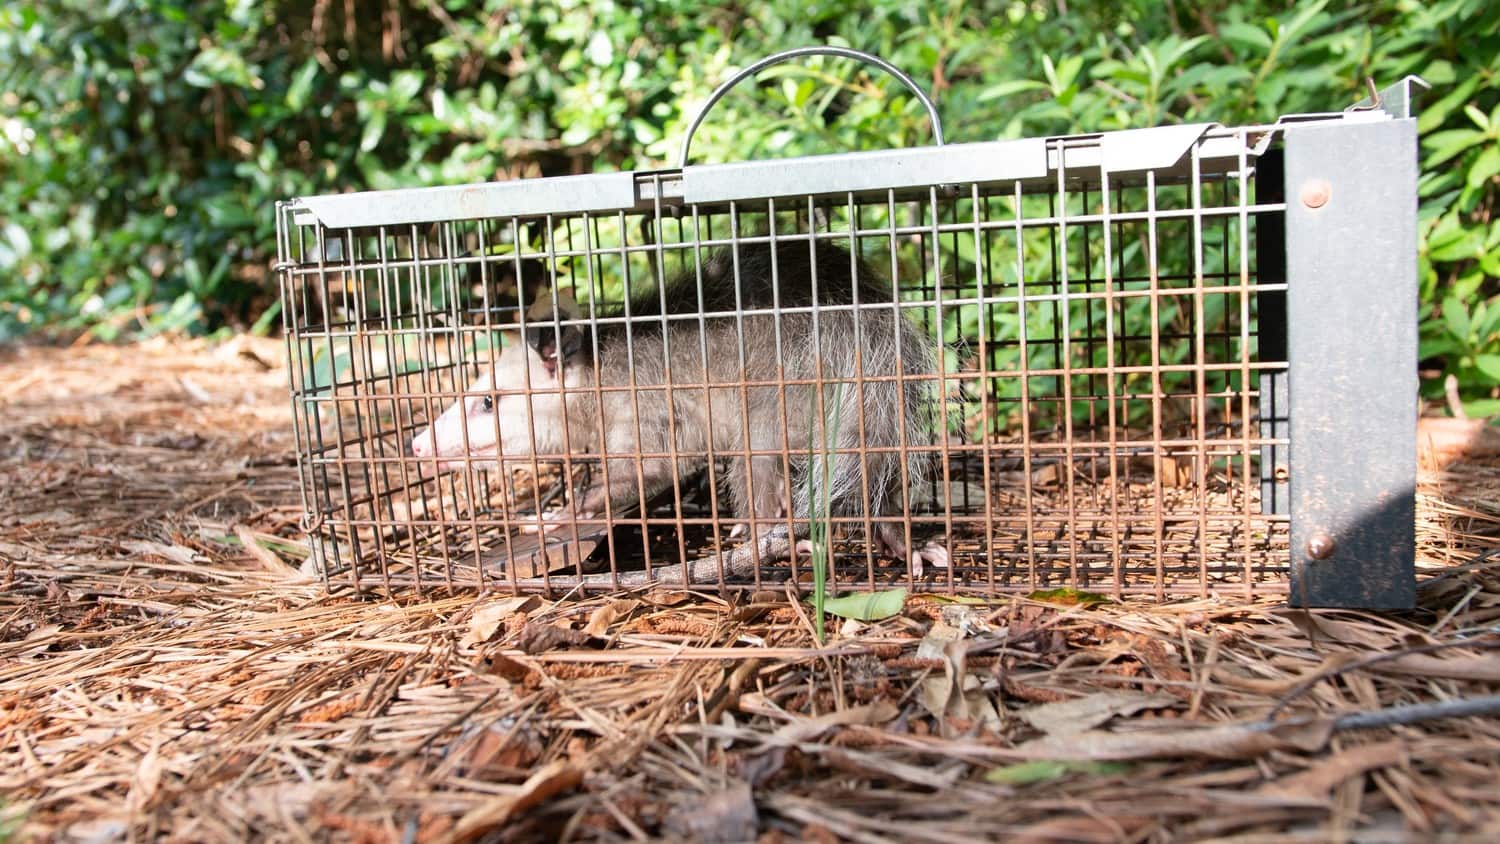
{"points": [[498, 403]]}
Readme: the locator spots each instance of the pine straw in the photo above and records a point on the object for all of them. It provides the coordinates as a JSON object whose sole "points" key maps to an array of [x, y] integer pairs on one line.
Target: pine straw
{"points": [[158, 679]]}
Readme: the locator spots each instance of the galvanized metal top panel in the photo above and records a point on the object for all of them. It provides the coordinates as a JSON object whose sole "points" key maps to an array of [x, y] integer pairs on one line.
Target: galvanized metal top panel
{"points": [[860, 172], [989, 162], [520, 198], [1136, 150]]}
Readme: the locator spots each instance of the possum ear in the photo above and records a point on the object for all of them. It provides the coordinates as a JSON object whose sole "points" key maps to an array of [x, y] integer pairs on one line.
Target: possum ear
{"points": [[533, 283], [554, 344], [545, 339]]}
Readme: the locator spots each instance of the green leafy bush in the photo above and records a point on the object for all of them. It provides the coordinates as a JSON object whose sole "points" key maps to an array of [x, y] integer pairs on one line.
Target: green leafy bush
{"points": [[144, 142]]}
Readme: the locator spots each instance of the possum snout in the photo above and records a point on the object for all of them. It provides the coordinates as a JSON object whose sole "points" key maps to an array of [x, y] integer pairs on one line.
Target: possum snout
{"points": [[424, 447], [507, 412], [423, 444], [465, 429]]}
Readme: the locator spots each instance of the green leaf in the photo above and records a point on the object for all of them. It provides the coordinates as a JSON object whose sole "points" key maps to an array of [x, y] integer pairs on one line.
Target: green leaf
{"points": [[1480, 118], [1437, 113], [262, 326], [1490, 366], [374, 128], [1456, 317], [1069, 595], [1045, 770], [19, 240], [1485, 167], [1450, 241], [1437, 347], [1246, 34], [405, 86], [301, 87], [1009, 88], [1482, 408], [1445, 145], [1489, 324], [867, 606]]}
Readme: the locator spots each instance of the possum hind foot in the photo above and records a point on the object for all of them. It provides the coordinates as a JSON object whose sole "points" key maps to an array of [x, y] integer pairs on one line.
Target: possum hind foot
{"points": [[889, 542]]}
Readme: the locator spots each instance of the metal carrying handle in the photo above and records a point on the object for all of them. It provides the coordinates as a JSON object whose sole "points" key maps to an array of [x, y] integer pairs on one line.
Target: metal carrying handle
{"points": [[797, 53]]}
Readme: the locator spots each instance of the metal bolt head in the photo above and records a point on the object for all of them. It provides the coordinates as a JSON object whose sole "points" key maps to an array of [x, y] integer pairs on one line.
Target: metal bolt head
{"points": [[1320, 547], [1315, 194]]}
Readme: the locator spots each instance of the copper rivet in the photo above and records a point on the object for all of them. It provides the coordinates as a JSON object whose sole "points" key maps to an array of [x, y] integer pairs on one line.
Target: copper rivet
{"points": [[1315, 193], [1320, 547]]}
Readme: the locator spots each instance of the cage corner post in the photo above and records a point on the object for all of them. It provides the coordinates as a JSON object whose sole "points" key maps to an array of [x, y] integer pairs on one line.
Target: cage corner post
{"points": [[1351, 261]]}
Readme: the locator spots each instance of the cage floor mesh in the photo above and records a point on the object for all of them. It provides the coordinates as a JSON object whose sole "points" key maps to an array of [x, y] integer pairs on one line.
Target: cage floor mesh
{"points": [[1194, 538]]}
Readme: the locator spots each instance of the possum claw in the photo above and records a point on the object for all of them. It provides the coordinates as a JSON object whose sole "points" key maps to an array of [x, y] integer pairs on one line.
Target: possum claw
{"points": [[931, 552]]}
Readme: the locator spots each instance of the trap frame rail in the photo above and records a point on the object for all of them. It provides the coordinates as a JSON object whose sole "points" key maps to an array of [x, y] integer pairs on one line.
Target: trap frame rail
{"points": [[1178, 360]]}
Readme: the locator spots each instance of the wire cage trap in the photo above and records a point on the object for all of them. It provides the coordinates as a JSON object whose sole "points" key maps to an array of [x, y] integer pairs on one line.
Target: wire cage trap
{"points": [[1163, 361]]}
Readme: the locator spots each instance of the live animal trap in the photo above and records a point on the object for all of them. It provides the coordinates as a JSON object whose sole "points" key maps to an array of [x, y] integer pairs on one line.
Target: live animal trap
{"points": [[1174, 360]]}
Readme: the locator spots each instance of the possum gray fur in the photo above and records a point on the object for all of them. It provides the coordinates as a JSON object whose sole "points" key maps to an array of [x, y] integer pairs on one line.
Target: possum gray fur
{"points": [[710, 414]]}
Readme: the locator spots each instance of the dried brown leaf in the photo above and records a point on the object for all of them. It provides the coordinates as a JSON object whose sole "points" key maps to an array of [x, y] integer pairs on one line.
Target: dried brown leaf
{"points": [[607, 614], [1482, 668], [807, 729], [724, 816], [175, 553], [1316, 782], [1079, 828], [265, 556], [1075, 716], [540, 638], [553, 779], [666, 597], [147, 779], [487, 618], [38, 640], [1230, 741]]}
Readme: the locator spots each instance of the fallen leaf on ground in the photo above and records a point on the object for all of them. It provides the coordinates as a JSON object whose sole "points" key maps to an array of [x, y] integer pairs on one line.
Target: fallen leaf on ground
{"points": [[1231, 741], [1317, 781], [806, 729], [955, 698], [265, 556], [1484, 668], [1075, 716], [727, 816], [540, 638], [1042, 770], [867, 606], [175, 553], [486, 619], [1069, 596], [607, 614], [1080, 829], [553, 779], [147, 778]]}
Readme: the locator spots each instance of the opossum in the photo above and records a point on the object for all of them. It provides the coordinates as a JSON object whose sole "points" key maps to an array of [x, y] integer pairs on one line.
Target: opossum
{"points": [[716, 413]]}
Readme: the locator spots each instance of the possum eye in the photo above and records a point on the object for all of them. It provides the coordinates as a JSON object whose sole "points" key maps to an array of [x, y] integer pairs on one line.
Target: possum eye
{"points": [[489, 404]]}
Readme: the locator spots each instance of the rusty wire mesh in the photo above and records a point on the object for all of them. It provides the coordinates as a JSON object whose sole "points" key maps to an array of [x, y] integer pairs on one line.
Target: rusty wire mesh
{"points": [[1099, 413]]}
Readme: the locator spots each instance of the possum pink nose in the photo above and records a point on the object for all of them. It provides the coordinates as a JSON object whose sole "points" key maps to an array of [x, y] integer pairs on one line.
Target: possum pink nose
{"points": [[422, 445]]}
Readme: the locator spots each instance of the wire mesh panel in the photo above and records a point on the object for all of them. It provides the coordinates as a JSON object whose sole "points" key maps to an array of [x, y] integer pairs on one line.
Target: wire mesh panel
{"points": [[1009, 366]]}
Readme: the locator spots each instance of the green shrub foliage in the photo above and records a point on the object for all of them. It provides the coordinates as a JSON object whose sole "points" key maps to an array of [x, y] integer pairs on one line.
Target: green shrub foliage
{"points": [[143, 142]]}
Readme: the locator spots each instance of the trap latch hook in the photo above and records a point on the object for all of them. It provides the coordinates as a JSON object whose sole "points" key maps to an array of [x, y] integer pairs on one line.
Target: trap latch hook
{"points": [[1374, 98], [799, 52]]}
